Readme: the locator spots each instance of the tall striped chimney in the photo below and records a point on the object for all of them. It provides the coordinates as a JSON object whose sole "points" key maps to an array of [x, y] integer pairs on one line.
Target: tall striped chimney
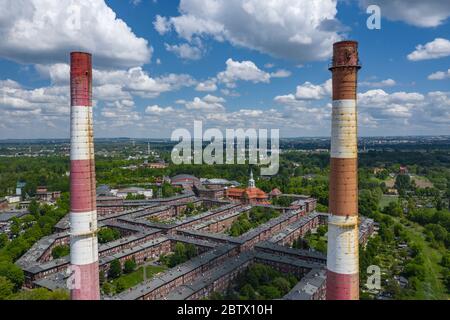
{"points": [[343, 259], [83, 214]]}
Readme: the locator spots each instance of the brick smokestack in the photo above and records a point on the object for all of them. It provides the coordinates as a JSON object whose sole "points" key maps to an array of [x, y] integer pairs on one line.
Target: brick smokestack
{"points": [[343, 259], [83, 213]]}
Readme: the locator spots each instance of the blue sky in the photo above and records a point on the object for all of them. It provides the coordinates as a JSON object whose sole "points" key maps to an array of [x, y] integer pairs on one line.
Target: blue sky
{"points": [[160, 65]]}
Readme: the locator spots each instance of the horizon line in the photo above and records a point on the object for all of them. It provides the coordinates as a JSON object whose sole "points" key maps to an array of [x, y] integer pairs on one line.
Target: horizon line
{"points": [[287, 137]]}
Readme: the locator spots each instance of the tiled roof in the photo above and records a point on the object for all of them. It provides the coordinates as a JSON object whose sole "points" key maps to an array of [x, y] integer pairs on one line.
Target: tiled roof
{"points": [[275, 192], [250, 193]]}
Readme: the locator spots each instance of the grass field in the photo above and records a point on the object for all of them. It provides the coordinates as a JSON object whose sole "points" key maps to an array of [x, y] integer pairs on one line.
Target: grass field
{"points": [[130, 280], [386, 199], [421, 182]]}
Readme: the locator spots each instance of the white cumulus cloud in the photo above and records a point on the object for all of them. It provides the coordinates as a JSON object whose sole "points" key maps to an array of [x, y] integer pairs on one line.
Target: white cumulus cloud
{"points": [[440, 75], [281, 74], [208, 103], [309, 91], [162, 25], [207, 86], [438, 48], [45, 31], [379, 111], [155, 109], [118, 82], [301, 30], [245, 71], [185, 51], [429, 13], [383, 83]]}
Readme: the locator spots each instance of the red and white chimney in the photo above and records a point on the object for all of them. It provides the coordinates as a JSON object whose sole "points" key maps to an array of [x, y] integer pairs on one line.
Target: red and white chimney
{"points": [[83, 214], [342, 257]]}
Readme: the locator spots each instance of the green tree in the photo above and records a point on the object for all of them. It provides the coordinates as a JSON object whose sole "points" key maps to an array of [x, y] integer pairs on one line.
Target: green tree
{"points": [[34, 208], [102, 277], [15, 227], [436, 232], [322, 230], [368, 202], [321, 246], [282, 201], [445, 261], [41, 294], [180, 249], [301, 243], [168, 190], [3, 240], [393, 209], [269, 292], [402, 183], [282, 284], [106, 235], [115, 269], [292, 280], [179, 255], [120, 285], [413, 269], [216, 296], [60, 251], [386, 233], [13, 273], [191, 251], [6, 288], [446, 278], [190, 207], [321, 208], [129, 266], [107, 288], [130, 196], [247, 292], [382, 175]]}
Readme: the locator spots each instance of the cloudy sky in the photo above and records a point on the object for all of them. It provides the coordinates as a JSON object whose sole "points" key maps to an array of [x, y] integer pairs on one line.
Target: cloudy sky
{"points": [[160, 65]]}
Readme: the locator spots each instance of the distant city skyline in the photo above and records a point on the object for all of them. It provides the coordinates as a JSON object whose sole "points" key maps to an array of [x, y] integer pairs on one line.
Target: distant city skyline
{"points": [[167, 139], [160, 65]]}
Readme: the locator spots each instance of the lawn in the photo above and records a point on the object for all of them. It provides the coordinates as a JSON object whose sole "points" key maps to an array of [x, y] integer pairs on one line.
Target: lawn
{"points": [[386, 199], [422, 182], [318, 243], [134, 278], [390, 182]]}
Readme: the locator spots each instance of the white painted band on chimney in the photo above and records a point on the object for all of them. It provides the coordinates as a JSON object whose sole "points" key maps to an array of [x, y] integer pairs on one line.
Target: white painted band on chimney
{"points": [[344, 129], [343, 250], [81, 135]]}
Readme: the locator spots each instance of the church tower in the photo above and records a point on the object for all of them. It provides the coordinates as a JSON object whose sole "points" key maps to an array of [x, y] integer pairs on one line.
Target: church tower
{"points": [[251, 181]]}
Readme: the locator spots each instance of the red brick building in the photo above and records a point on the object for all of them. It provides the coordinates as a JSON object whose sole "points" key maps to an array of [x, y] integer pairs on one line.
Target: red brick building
{"points": [[275, 193], [3, 203], [249, 195], [42, 194]]}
